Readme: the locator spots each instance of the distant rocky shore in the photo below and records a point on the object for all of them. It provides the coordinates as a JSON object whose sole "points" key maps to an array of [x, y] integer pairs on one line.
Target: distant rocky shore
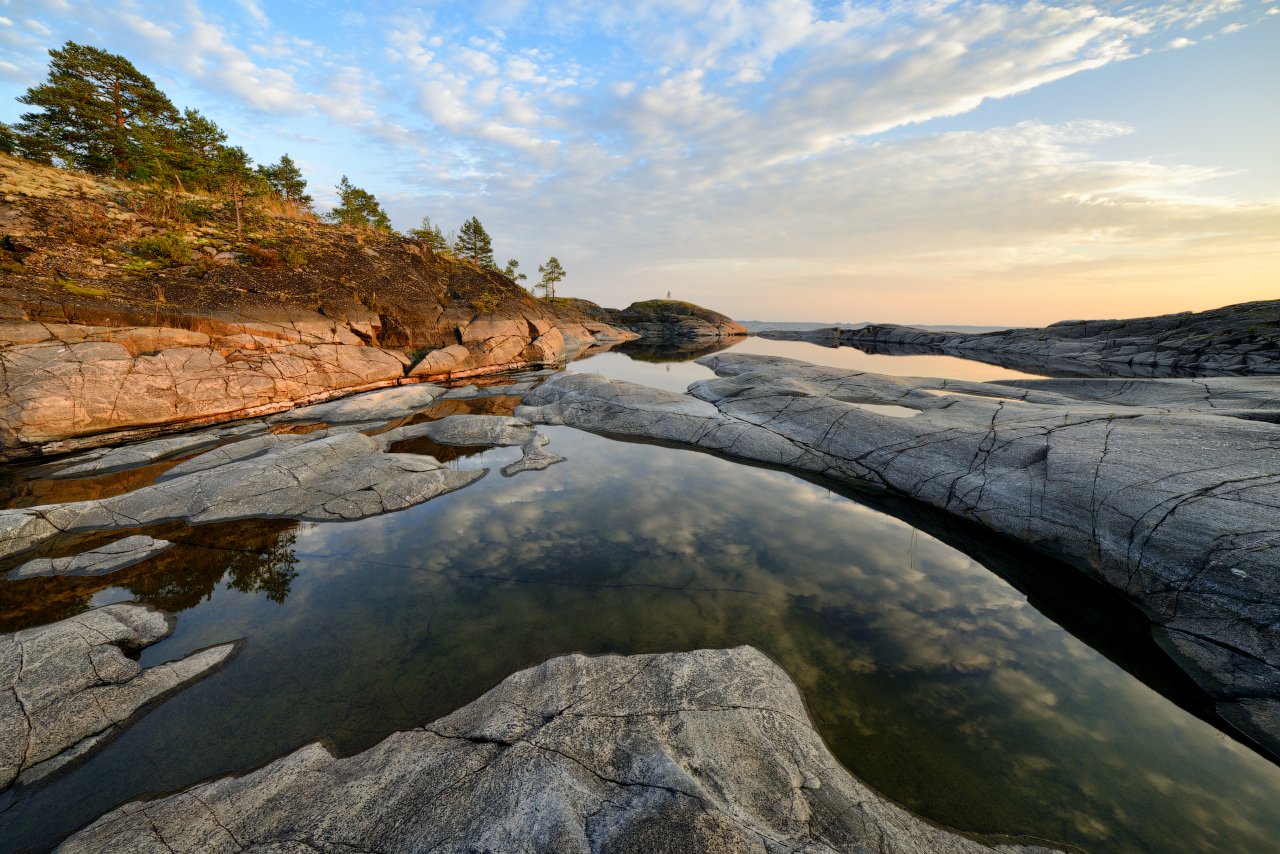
{"points": [[1238, 339]]}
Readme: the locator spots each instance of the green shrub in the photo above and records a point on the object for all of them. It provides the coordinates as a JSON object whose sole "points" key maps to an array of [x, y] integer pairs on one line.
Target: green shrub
{"points": [[293, 256], [196, 211], [485, 303], [169, 248]]}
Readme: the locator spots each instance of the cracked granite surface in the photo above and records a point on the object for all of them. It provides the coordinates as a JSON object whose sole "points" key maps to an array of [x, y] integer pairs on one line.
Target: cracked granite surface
{"points": [[70, 686], [707, 751]]}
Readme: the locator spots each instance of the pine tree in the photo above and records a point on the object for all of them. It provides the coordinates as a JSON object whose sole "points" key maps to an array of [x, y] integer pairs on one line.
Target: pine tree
{"points": [[512, 271], [551, 272], [474, 243], [429, 234], [8, 139], [196, 151], [359, 207], [235, 177], [286, 180], [97, 113]]}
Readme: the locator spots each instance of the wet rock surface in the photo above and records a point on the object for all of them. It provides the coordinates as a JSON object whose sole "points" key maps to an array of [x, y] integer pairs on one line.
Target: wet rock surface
{"points": [[1238, 339], [71, 686], [497, 430], [335, 476], [705, 751], [534, 457], [100, 561], [1167, 490]]}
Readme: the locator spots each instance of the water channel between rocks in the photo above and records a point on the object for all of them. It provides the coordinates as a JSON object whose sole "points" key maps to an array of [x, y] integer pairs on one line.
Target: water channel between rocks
{"points": [[933, 677]]}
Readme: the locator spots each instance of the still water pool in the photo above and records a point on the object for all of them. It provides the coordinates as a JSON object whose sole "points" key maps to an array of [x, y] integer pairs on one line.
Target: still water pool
{"points": [[983, 686]]}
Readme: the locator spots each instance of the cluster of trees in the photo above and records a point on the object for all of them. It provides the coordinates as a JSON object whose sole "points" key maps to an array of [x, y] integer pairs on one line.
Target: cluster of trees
{"points": [[473, 243], [98, 113]]}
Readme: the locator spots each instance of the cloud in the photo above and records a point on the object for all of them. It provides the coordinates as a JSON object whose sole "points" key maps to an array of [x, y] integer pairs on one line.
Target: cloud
{"points": [[709, 143]]}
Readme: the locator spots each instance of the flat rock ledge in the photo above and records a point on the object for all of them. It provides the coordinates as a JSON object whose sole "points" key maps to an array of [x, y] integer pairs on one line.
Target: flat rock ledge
{"points": [[328, 475], [65, 386], [1168, 490], [707, 751], [103, 560], [70, 686]]}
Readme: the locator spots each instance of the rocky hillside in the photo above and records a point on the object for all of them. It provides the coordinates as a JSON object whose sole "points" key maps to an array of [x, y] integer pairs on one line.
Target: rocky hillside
{"points": [[1236, 339], [125, 309]]}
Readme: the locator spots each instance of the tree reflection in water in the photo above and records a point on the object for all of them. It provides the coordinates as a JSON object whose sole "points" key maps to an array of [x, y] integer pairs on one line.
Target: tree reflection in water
{"points": [[262, 561]]}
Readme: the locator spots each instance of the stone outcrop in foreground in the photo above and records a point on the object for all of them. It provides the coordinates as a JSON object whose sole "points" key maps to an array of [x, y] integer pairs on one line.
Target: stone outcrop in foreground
{"points": [[708, 751], [1237, 339], [71, 686], [1167, 490]]}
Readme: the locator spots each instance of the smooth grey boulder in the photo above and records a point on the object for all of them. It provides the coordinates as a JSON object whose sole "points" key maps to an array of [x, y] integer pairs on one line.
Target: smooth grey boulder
{"points": [[1167, 490], [342, 475], [473, 430], [100, 561], [708, 751], [71, 687]]}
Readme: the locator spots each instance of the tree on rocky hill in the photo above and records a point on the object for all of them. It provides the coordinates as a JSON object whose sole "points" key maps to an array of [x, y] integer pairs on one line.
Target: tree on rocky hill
{"points": [[285, 178], [196, 150], [474, 243], [358, 207], [430, 234], [512, 271], [97, 112], [552, 273], [235, 177]]}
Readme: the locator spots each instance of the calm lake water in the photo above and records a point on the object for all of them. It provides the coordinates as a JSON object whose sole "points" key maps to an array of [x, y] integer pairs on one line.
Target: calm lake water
{"points": [[985, 687]]}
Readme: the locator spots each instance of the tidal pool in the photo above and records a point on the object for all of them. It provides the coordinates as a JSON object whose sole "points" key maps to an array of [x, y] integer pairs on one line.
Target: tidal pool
{"points": [[928, 653]]}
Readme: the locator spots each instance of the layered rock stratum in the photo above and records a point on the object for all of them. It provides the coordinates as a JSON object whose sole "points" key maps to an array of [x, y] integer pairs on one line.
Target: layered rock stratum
{"points": [[1166, 490], [708, 751]]}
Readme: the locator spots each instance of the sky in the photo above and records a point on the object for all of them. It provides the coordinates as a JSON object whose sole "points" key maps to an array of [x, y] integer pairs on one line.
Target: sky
{"points": [[915, 161]]}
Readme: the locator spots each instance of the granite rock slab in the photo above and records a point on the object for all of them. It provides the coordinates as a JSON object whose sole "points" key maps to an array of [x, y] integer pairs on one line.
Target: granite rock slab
{"points": [[708, 751], [70, 686]]}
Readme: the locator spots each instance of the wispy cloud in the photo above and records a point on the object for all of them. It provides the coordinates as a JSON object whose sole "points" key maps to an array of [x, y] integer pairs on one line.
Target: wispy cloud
{"points": [[701, 140]]}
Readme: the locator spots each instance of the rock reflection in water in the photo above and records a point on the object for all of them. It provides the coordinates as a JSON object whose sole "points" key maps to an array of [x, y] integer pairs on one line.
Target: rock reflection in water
{"points": [[21, 486]]}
